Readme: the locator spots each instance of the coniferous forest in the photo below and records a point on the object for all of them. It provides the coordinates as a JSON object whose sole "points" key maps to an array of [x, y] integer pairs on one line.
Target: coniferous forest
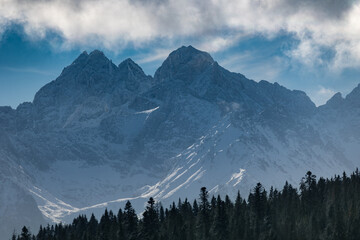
{"points": [[319, 209]]}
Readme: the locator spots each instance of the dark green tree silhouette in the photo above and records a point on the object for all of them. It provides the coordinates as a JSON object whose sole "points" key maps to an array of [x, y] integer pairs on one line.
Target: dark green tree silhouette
{"points": [[150, 224], [25, 234]]}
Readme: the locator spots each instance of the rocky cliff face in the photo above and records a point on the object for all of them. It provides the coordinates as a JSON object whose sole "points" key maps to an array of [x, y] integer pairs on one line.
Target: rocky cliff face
{"points": [[101, 134]]}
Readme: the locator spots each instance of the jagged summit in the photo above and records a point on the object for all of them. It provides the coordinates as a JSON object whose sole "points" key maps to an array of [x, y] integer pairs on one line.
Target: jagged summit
{"points": [[354, 96], [89, 75], [129, 65], [93, 62], [189, 52], [81, 58], [94, 56], [335, 101], [97, 57], [187, 68], [133, 76], [184, 63], [96, 53]]}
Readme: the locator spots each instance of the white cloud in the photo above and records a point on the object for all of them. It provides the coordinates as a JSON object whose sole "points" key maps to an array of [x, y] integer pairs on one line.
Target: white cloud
{"points": [[115, 23], [307, 52], [156, 55], [218, 43], [255, 66]]}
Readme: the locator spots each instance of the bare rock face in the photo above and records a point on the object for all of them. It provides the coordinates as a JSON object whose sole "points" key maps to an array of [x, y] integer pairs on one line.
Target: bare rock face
{"points": [[101, 134]]}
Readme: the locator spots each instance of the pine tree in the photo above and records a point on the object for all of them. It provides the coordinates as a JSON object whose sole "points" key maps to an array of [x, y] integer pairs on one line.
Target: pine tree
{"points": [[203, 221], [258, 207], [308, 182], [25, 234], [104, 226], [237, 224], [130, 222], [92, 227], [308, 191], [195, 208], [13, 237], [219, 228], [150, 228]]}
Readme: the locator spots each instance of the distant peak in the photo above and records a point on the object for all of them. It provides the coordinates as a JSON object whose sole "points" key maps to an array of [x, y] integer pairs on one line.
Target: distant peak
{"points": [[189, 52], [355, 93], [96, 53], [335, 100], [80, 72], [94, 56], [186, 60], [354, 96], [127, 62], [129, 65], [186, 48], [82, 57], [337, 96]]}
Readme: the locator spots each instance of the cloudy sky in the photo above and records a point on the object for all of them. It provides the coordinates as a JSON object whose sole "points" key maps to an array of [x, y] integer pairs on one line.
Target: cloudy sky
{"points": [[308, 45]]}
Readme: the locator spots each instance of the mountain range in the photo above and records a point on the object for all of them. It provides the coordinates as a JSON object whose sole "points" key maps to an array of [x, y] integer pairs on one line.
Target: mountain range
{"points": [[102, 134]]}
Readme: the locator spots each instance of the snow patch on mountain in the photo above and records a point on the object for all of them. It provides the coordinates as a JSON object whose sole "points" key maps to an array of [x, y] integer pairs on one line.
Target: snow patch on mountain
{"points": [[237, 177]]}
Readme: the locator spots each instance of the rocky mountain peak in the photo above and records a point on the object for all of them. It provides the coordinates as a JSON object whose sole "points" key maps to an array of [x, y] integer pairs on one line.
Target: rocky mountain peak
{"points": [[189, 53], [97, 56], [95, 62], [128, 65], [353, 97], [184, 63], [94, 58], [89, 75], [335, 101], [81, 58], [133, 75]]}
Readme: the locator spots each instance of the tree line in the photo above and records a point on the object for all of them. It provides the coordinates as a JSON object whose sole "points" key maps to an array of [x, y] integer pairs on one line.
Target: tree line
{"points": [[319, 209]]}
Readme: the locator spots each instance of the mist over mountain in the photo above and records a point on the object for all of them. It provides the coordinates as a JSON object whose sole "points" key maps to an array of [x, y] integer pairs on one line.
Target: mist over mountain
{"points": [[101, 134]]}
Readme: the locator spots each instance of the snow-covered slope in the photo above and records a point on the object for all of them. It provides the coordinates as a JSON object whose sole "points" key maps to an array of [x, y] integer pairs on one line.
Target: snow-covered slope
{"points": [[101, 134]]}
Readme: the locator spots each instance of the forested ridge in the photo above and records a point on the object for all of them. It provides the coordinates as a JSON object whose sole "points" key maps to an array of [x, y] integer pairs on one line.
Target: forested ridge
{"points": [[319, 209]]}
